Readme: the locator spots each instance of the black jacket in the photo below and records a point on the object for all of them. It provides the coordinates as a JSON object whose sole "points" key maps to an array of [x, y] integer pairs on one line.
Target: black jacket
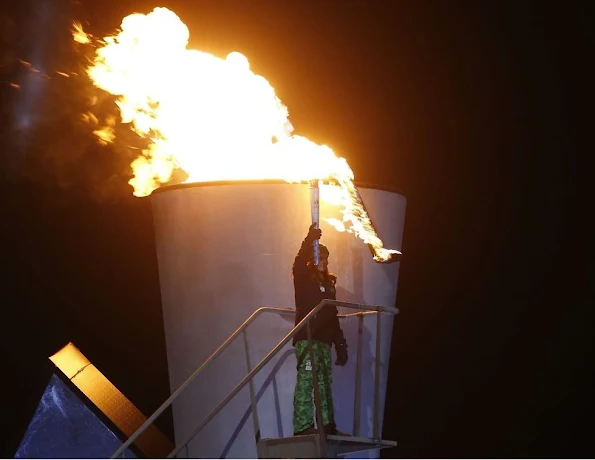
{"points": [[310, 289]]}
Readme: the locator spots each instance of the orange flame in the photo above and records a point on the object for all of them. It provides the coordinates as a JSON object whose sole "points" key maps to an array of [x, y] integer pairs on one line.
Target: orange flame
{"points": [[213, 118], [79, 35]]}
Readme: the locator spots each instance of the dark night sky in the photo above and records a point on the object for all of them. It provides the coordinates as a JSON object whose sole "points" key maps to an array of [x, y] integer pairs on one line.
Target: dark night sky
{"points": [[473, 111]]}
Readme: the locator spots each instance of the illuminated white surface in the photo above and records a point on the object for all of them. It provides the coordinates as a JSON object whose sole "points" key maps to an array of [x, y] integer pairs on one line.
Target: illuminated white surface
{"points": [[226, 249]]}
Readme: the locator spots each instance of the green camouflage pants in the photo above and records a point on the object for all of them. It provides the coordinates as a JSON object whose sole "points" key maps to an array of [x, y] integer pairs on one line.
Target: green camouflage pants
{"points": [[303, 407]]}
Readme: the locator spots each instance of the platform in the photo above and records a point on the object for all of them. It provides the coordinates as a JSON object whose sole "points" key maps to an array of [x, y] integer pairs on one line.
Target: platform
{"points": [[306, 446]]}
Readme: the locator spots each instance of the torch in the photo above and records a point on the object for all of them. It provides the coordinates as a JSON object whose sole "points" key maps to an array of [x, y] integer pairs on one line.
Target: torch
{"points": [[315, 211]]}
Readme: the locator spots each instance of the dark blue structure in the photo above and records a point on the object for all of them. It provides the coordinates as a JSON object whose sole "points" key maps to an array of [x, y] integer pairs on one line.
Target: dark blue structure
{"points": [[64, 426]]}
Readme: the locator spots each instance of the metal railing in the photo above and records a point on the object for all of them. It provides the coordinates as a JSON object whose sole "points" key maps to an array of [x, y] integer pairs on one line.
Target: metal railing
{"points": [[367, 310]]}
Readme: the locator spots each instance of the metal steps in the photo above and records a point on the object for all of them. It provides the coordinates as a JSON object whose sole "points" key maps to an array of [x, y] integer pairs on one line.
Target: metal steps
{"points": [[311, 446], [307, 446]]}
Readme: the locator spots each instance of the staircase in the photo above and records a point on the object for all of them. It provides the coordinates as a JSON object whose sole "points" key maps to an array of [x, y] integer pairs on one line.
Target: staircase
{"points": [[307, 446]]}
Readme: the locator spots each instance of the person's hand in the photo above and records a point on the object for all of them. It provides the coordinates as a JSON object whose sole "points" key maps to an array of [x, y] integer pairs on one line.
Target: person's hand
{"points": [[341, 349], [314, 233]]}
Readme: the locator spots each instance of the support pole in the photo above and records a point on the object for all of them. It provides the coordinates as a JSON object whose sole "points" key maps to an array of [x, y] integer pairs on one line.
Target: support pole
{"points": [[252, 391], [358, 377], [376, 431]]}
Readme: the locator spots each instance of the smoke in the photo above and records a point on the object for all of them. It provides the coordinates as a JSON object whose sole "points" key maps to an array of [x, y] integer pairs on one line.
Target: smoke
{"points": [[46, 134]]}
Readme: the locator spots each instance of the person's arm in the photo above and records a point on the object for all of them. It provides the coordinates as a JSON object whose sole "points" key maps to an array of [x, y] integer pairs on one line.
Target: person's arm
{"points": [[338, 337], [306, 252], [340, 345]]}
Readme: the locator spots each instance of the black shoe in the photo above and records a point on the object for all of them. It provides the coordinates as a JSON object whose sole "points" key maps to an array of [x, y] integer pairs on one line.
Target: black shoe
{"points": [[331, 429]]}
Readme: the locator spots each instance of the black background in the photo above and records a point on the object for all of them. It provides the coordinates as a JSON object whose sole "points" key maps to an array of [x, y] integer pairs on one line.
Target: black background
{"points": [[472, 109]]}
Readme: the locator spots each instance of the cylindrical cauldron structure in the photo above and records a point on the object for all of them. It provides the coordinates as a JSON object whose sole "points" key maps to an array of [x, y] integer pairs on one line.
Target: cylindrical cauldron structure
{"points": [[225, 249]]}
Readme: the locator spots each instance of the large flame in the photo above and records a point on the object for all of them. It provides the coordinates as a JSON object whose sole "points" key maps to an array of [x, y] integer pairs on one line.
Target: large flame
{"points": [[213, 118]]}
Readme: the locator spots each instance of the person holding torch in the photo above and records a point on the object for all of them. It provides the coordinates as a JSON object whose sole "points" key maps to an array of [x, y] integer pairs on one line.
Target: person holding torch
{"points": [[313, 283]]}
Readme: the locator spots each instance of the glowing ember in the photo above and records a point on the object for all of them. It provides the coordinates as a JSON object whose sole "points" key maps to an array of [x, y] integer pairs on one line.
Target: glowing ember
{"points": [[106, 134], [212, 118], [29, 67], [78, 34]]}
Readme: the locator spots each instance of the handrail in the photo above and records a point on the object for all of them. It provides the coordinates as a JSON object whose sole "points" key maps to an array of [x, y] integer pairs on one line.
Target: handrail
{"points": [[192, 376], [281, 310], [272, 353]]}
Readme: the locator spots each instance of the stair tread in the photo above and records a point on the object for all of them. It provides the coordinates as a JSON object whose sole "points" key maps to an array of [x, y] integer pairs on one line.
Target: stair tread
{"points": [[360, 440], [336, 439], [338, 445]]}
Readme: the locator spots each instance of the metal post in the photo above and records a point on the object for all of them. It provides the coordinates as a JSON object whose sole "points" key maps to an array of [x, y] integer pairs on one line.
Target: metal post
{"points": [[252, 393], [320, 439], [375, 434], [358, 377]]}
